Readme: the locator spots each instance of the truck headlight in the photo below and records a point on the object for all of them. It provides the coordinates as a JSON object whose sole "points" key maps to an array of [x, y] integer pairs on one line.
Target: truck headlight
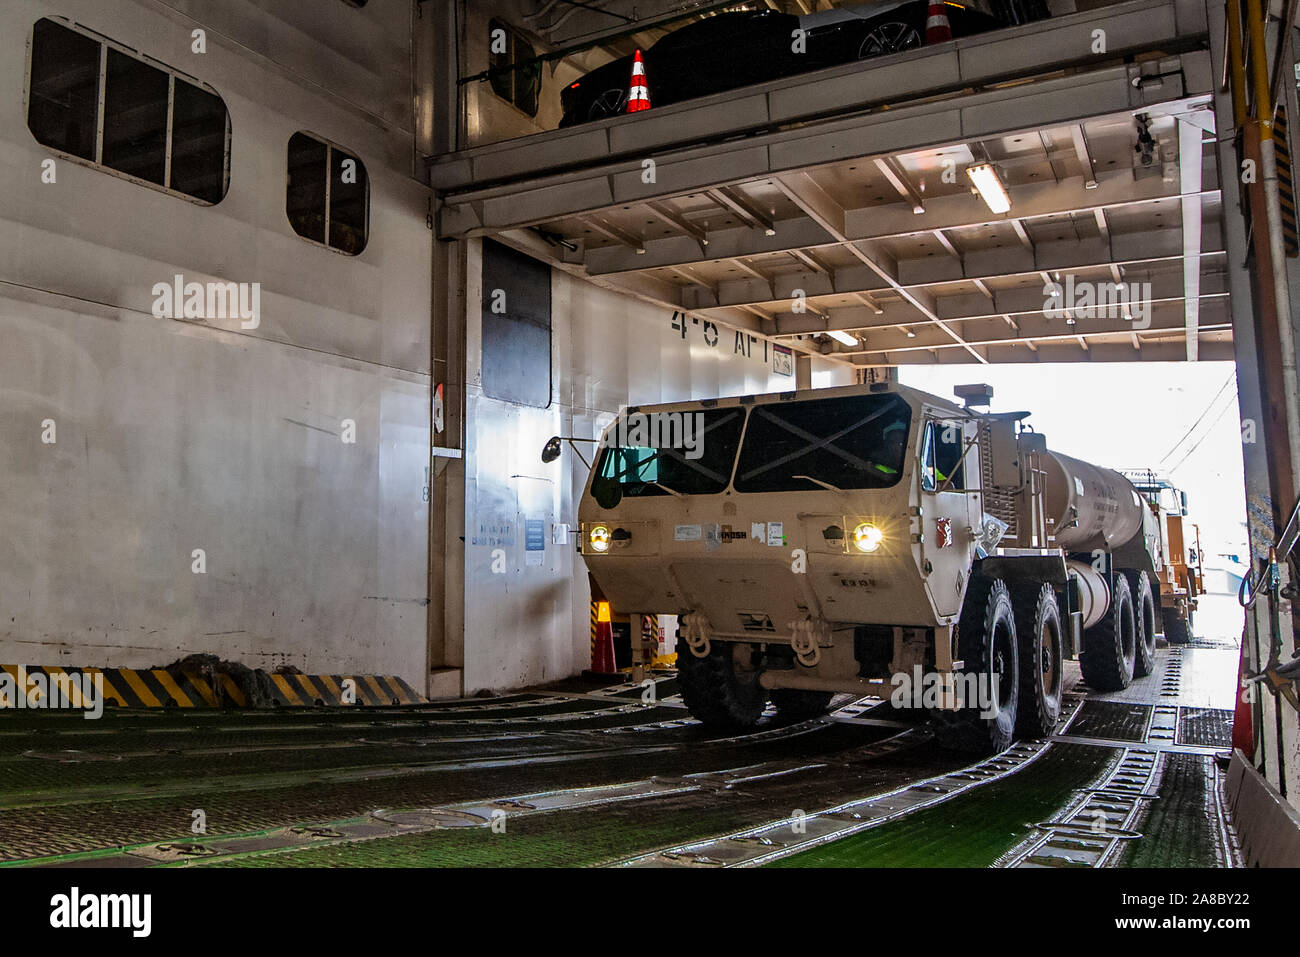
{"points": [[599, 538], [867, 538]]}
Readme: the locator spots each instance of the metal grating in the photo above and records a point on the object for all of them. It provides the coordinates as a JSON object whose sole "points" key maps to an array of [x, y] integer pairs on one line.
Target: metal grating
{"points": [[999, 502]]}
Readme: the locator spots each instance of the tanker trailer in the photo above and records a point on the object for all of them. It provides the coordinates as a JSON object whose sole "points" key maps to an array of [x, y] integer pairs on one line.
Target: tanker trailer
{"points": [[875, 540]]}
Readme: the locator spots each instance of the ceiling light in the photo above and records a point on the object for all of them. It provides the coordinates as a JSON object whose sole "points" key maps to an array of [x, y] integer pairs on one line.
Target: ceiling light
{"points": [[839, 335], [910, 333], [990, 187]]}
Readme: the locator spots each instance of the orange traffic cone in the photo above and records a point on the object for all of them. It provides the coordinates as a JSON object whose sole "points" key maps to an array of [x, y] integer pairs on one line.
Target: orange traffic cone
{"points": [[602, 649], [937, 27], [638, 96]]}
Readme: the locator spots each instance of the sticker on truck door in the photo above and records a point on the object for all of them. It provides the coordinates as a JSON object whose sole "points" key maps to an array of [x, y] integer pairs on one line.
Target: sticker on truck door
{"points": [[688, 533], [776, 534]]}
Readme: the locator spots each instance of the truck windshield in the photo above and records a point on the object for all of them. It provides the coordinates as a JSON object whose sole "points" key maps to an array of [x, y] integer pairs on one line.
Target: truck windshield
{"points": [[647, 454], [851, 442]]}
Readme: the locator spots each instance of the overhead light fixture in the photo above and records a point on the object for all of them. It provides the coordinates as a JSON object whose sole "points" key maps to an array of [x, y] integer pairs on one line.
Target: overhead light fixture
{"points": [[986, 180], [839, 335], [910, 333]]}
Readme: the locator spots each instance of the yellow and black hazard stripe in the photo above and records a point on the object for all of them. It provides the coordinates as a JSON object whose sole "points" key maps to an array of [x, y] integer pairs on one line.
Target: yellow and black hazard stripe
{"points": [[1286, 185], [160, 688], [296, 691]]}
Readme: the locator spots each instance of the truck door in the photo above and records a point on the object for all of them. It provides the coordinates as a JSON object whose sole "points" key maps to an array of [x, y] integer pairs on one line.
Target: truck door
{"points": [[946, 511]]}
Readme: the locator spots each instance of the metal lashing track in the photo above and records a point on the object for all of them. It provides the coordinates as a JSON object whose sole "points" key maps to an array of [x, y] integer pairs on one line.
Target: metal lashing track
{"points": [[768, 842], [755, 846], [403, 822], [1090, 833]]}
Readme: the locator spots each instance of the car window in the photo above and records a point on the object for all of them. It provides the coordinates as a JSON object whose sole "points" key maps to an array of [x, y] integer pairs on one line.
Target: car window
{"points": [[850, 442], [691, 453], [942, 460], [721, 29]]}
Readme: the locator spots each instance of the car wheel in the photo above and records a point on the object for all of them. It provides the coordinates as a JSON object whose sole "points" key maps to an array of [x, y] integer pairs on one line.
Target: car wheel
{"points": [[893, 36], [610, 103]]}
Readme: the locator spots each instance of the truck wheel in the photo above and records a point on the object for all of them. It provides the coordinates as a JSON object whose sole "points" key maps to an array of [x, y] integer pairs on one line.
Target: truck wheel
{"points": [[1038, 628], [1177, 629], [1144, 617], [797, 704], [1110, 645], [986, 642], [717, 692]]}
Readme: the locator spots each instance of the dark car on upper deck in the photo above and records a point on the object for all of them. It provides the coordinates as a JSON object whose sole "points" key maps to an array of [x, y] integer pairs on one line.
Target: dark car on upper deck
{"points": [[738, 48]]}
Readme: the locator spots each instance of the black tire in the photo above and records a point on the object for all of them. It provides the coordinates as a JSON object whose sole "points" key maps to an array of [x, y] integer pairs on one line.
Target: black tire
{"points": [[1144, 618], [891, 36], [986, 642], [1038, 632], [796, 704], [716, 692], [1177, 629], [1109, 647]]}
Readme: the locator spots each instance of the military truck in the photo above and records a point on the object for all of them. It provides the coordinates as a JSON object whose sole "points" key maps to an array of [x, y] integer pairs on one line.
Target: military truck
{"points": [[870, 539], [1179, 559]]}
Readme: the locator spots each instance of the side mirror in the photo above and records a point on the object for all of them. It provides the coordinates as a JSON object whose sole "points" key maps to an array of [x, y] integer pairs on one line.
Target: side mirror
{"points": [[552, 449]]}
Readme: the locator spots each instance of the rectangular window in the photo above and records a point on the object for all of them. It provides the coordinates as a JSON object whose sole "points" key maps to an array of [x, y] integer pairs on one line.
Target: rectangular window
{"points": [[63, 103], [135, 118], [198, 142], [515, 74], [152, 124], [516, 326], [851, 442], [327, 198]]}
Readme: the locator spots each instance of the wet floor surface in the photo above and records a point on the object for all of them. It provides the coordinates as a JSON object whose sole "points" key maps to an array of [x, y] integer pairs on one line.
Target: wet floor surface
{"points": [[579, 775]]}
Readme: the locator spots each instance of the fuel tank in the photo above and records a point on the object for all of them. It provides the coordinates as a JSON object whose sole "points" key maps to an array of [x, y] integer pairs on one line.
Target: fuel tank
{"points": [[1093, 508]]}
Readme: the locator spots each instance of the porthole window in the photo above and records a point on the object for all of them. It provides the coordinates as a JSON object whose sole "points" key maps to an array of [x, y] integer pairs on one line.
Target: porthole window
{"points": [[108, 106], [328, 194]]}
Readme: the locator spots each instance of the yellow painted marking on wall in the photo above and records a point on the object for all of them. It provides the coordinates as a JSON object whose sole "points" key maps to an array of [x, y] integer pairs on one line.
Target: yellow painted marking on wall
{"points": [[380, 696], [202, 687], [109, 691], [312, 694], [20, 682], [172, 688], [396, 688], [232, 690], [328, 683], [286, 689], [141, 689], [72, 684]]}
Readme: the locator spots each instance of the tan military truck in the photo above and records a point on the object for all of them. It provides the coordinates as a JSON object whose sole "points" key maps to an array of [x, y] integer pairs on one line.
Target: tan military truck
{"points": [[1180, 568], [874, 540]]}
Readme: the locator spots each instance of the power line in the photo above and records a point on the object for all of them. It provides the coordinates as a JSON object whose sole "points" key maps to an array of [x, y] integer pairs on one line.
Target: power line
{"points": [[1205, 436], [1168, 455]]}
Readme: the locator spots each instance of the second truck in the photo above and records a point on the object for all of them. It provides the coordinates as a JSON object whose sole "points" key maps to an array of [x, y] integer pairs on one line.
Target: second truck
{"points": [[881, 541]]}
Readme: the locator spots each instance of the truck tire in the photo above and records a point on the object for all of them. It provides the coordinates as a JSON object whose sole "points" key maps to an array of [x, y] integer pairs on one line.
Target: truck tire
{"points": [[797, 704], [1177, 629], [986, 642], [1038, 629], [716, 692], [1144, 617], [1110, 646]]}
